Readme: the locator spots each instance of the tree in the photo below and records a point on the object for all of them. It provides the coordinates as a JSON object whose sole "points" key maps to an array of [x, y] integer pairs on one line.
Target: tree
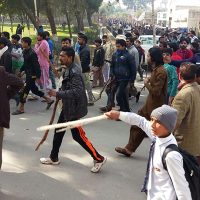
{"points": [[49, 12], [92, 6], [29, 10]]}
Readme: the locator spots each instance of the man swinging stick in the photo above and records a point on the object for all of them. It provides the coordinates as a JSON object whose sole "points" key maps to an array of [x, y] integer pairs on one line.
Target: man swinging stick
{"points": [[74, 99]]}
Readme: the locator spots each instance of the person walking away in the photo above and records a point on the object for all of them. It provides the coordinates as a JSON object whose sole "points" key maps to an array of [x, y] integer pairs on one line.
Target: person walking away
{"points": [[31, 68], [157, 87], [159, 183], [9, 86], [98, 62], [72, 93]]}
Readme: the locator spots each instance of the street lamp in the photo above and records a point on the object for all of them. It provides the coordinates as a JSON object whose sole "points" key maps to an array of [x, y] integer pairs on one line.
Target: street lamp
{"points": [[35, 4], [153, 23]]}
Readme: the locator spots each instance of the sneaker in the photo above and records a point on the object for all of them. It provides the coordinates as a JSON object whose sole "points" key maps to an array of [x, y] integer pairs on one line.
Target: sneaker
{"points": [[48, 161], [98, 165]]}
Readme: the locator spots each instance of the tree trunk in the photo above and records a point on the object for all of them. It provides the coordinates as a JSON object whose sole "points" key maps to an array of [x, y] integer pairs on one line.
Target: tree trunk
{"points": [[79, 19], [11, 22], [50, 18], [30, 15], [89, 17], [68, 24], [3, 19], [27, 24]]}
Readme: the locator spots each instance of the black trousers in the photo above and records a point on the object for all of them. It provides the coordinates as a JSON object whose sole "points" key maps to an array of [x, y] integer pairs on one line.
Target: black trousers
{"points": [[78, 135], [30, 86], [122, 95]]}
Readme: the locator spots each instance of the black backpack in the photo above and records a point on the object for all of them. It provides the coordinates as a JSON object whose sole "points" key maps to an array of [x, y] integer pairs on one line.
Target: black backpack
{"points": [[191, 167]]}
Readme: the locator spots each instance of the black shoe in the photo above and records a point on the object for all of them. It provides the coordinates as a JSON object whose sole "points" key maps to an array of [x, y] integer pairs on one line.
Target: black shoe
{"points": [[105, 109], [137, 97], [90, 103], [49, 104]]}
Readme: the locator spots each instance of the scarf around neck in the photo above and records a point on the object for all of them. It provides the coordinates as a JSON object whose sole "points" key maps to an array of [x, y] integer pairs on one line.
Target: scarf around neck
{"points": [[2, 51]]}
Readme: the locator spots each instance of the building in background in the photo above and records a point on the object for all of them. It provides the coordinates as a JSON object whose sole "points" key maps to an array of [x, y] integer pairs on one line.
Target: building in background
{"points": [[183, 14], [162, 19]]}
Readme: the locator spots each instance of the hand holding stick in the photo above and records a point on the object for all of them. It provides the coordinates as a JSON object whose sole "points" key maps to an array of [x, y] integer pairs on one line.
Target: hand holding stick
{"points": [[51, 122]]}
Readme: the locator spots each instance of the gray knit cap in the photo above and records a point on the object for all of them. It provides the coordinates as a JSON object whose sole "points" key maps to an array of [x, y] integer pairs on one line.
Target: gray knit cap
{"points": [[166, 115]]}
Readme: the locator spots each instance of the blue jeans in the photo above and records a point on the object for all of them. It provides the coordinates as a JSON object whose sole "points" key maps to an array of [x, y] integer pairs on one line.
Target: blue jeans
{"points": [[52, 77]]}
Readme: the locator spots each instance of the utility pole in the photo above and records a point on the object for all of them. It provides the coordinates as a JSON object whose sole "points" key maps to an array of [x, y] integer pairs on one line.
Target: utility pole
{"points": [[36, 17], [153, 23], [35, 4]]}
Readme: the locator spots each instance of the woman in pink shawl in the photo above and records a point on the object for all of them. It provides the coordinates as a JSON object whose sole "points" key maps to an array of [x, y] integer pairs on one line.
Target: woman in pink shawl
{"points": [[42, 50]]}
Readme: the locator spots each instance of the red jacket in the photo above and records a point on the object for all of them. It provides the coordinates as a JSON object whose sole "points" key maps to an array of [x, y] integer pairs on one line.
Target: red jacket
{"points": [[175, 56]]}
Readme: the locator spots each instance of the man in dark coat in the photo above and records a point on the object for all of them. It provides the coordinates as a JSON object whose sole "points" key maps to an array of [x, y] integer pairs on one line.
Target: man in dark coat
{"points": [[5, 55], [9, 85], [74, 100]]}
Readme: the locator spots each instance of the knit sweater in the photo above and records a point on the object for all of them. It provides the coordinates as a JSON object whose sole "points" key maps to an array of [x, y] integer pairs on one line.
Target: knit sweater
{"points": [[172, 80]]}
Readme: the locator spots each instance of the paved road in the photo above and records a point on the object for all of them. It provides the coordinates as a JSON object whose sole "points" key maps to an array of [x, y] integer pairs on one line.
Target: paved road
{"points": [[24, 178]]}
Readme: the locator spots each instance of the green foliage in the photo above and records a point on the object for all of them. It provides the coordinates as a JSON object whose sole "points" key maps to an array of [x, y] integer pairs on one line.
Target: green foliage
{"points": [[94, 5], [91, 33]]}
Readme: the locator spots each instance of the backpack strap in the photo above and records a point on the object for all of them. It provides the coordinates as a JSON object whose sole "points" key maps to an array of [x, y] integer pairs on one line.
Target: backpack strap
{"points": [[169, 148]]}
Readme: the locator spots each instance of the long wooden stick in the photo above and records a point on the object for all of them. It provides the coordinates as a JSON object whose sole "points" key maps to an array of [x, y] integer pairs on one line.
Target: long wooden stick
{"points": [[73, 124], [51, 122], [101, 92]]}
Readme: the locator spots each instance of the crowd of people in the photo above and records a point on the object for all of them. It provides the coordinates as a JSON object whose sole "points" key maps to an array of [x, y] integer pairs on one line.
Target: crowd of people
{"points": [[174, 81]]}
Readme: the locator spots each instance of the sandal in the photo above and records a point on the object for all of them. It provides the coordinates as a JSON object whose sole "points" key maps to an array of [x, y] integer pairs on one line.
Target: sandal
{"points": [[49, 104], [122, 151], [17, 112]]}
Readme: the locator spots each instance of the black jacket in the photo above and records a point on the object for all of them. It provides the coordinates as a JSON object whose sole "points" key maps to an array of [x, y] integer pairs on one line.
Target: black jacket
{"points": [[6, 61], [31, 65], [85, 58], [9, 85], [72, 93], [99, 55]]}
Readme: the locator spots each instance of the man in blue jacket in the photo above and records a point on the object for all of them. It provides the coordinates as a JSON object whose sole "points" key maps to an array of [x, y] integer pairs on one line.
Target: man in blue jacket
{"points": [[123, 70]]}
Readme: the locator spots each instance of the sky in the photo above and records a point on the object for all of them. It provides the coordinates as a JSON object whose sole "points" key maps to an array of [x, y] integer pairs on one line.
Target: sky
{"points": [[157, 2]]}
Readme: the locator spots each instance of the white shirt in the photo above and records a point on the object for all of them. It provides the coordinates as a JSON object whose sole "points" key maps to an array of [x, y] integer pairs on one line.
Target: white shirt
{"points": [[161, 186]]}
